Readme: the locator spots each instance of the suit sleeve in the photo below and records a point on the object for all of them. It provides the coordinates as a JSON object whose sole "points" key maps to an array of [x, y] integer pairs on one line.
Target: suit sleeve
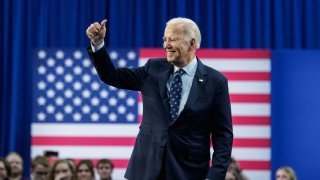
{"points": [[222, 134], [124, 78]]}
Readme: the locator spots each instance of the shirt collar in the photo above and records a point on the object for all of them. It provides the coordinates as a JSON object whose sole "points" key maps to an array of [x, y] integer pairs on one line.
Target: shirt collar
{"points": [[190, 68]]}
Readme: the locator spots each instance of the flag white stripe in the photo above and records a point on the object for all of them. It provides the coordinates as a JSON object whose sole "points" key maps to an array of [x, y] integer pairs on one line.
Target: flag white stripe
{"points": [[251, 131], [250, 109], [236, 65], [232, 65], [91, 152], [249, 87], [240, 109], [124, 152], [258, 174], [119, 130], [118, 173], [256, 154], [87, 130]]}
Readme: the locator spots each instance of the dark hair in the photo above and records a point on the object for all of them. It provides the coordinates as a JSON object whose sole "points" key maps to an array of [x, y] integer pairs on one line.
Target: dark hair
{"points": [[235, 174], [6, 166], [86, 162], [105, 161], [40, 160]]}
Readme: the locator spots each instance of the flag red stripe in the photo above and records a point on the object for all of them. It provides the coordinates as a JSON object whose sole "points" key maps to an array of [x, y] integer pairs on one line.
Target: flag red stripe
{"points": [[245, 98], [250, 120], [139, 118], [253, 98], [255, 165], [248, 165], [241, 142], [151, 52], [242, 120], [209, 53], [124, 141], [243, 76], [118, 163]]}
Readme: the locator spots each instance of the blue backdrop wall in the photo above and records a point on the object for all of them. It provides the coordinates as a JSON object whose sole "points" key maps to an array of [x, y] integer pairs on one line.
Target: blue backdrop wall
{"points": [[26, 25], [296, 112]]}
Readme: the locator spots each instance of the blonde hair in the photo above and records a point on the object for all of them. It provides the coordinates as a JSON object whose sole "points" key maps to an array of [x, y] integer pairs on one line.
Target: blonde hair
{"points": [[289, 171], [189, 27]]}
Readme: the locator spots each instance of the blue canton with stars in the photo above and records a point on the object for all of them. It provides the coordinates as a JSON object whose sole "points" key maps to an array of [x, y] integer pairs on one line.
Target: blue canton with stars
{"points": [[67, 89]]}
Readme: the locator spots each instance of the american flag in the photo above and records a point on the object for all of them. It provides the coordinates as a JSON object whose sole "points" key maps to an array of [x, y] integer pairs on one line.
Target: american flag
{"points": [[77, 115]]}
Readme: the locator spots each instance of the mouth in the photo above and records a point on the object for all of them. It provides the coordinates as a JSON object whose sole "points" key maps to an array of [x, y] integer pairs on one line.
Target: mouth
{"points": [[170, 52]]}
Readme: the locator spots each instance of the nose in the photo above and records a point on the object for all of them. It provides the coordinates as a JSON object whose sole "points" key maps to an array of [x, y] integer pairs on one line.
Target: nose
{"points": [[166, 45]]}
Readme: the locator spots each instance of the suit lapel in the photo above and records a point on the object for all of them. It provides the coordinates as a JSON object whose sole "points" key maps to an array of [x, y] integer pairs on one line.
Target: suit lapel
{"points": [[198, 83], [164, 74]]}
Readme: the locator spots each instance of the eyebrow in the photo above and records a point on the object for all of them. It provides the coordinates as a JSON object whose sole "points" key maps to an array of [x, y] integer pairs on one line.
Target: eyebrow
{"points": [[170, 37]]}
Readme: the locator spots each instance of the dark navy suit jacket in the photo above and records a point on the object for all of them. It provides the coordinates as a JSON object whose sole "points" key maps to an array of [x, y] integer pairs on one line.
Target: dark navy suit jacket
{"points": [[186, 141]]}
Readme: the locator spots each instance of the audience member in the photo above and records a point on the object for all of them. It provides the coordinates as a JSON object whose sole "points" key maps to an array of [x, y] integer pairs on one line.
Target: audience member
{"points": [[285, 173], [62, 170], [40, 168], [232, 175], [234, 165], [16, 164], [5, 170], [71, 161], [84, 170], [105, 168]]}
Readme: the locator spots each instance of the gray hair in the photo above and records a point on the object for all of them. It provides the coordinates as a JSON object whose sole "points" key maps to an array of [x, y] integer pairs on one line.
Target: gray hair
{"points": [[189, 27]]}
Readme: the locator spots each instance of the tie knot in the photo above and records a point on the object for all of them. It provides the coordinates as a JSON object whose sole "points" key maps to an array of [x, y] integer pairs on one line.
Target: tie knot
{"points": [[179, 72]]}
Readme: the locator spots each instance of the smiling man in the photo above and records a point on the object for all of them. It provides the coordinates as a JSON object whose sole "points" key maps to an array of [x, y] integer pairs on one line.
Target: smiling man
{"points": [[185, 105]]}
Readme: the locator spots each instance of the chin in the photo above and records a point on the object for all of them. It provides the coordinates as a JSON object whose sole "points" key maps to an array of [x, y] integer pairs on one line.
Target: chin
{"points": [[170, 60]]}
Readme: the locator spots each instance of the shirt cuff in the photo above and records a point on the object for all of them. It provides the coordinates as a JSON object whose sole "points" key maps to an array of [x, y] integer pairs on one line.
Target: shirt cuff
{"points": [[97, 47]]}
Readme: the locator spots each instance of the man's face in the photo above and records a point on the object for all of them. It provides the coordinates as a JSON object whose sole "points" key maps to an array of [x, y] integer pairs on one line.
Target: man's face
{"points": [[3, 171], [281, 175], [15, 164], [84, 172], [63, 171], [40, 172], [104, 171], [176, 46]]}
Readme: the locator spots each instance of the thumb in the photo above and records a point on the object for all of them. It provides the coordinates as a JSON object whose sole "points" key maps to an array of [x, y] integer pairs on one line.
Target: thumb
{"points": [[103, 23]]}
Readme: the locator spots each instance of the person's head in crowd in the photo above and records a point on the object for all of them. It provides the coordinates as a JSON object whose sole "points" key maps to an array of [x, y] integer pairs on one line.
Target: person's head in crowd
{"points": [[71, 161], [40, 168], [285, 173], [105, 168], [62, 170], [234, 165], [84, 170], [16, 164], [232, 175], [5, 170]]}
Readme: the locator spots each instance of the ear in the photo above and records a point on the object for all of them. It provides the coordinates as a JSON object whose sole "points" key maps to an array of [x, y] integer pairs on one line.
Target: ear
{"points": [[192, 45]]}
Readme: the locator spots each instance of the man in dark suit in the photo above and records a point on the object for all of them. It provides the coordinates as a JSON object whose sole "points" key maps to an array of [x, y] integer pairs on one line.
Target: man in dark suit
{"points": [[185, 104]]}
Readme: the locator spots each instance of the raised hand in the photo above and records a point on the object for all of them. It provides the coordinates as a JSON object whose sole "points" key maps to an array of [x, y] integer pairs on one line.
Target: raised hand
{"points": [[96, 32]]}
